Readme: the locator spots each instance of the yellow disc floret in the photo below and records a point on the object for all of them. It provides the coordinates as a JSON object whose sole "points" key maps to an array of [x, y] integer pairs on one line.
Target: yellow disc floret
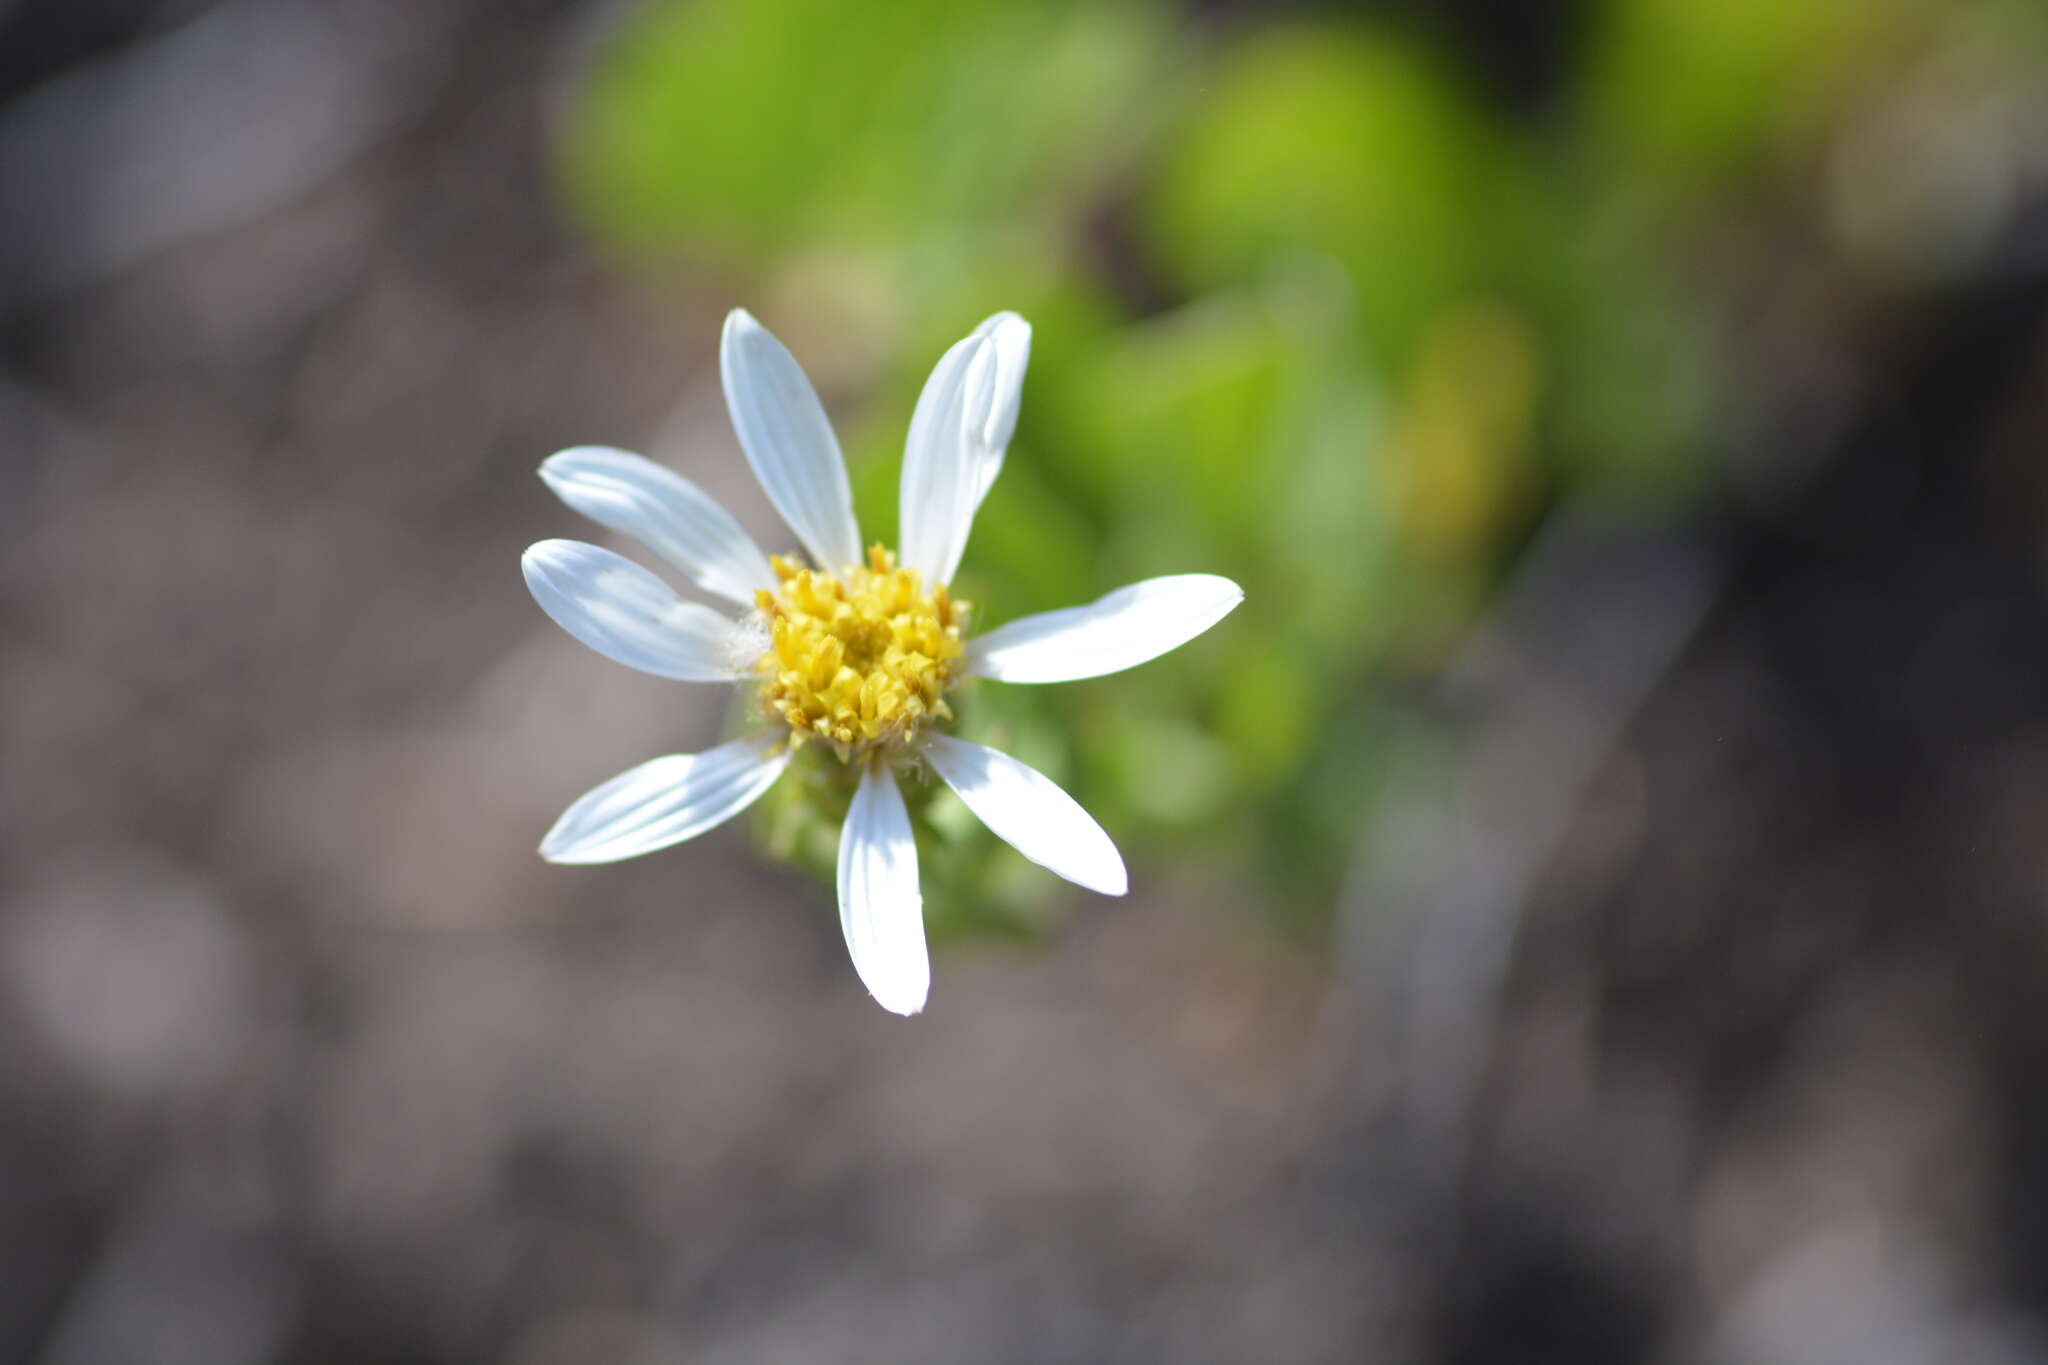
{"points": [[860, 661]]}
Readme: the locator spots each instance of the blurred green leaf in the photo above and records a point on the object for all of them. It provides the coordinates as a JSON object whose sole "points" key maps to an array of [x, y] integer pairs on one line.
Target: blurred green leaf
{"points": [[1682, 93], [741, 131], [1343, 142]]}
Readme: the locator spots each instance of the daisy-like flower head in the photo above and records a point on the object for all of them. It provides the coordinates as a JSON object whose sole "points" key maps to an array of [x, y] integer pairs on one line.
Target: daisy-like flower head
{"points": [[853, 651]]}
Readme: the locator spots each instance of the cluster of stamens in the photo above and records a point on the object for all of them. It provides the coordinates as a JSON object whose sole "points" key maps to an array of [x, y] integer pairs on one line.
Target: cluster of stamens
{"points": [[861, 661]]}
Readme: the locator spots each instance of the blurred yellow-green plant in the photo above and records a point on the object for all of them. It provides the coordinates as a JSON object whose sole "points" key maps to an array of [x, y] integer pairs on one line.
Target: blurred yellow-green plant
{"points": [[1313, 310]]}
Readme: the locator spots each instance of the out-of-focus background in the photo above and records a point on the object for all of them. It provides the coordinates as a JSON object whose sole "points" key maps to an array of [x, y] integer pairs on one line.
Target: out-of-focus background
{"points": [[1591, 902]]}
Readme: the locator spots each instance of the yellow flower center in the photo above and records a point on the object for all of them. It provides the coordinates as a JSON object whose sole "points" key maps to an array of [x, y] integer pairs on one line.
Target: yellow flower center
{"points": [[861, 661]]}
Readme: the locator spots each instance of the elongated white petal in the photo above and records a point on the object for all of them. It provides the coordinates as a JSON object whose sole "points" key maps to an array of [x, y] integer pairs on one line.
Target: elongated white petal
{"points": [[625, 613], [1028, 811], [880, 909], [788, 440], [1124, 629], [665, 512], [957, 438], [662, 802]]}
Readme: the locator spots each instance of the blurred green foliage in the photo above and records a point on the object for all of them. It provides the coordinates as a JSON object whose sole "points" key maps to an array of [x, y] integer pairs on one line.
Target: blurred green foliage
{"points": [[922, 137], [1312, 310]]}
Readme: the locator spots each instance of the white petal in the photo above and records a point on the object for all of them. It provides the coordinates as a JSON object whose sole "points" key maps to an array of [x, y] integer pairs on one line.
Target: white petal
{"points": [[958, 435], [662, 802], [879, 906], [625, 613], [788, 440], [1028, 811], [1124, 629], [665, 512]]}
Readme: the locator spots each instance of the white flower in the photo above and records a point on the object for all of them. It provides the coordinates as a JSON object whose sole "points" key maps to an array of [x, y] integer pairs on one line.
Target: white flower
{"points": [[854, 653]]}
